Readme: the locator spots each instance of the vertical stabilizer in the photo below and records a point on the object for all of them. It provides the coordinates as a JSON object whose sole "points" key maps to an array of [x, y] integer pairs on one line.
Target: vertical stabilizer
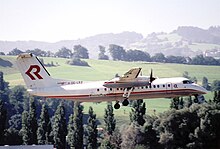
{"points": [[34, 73]]}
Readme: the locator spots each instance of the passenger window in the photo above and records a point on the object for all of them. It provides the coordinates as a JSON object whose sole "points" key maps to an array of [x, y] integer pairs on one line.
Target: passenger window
{"points": [[110, 89], [146, 86], [98, 90], [142, 87], [158, 86], [105, 89], [154, 86], [163, 85], [168, 85]]}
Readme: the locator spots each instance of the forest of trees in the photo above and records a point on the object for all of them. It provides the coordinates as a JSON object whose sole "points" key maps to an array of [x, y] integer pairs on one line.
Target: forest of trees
{"points": [[27, 120]]}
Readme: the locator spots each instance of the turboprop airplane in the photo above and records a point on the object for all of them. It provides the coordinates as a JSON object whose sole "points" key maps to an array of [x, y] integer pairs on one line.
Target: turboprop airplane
{"points": [[130, 86]]}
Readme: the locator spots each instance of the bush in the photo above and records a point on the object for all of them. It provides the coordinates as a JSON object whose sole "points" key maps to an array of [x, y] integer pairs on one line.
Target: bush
{"points": [[77, 62], [5, 63]]}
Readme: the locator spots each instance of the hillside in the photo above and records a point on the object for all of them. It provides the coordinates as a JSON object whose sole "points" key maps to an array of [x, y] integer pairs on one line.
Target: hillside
{"points": [[91, 43], [183, 41]]}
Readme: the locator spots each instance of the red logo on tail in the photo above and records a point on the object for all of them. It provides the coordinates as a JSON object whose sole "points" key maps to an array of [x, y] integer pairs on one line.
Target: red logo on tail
{"points": [[35, 69]]}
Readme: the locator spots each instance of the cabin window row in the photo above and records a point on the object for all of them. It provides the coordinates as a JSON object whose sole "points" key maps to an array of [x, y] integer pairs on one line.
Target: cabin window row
{"points": [[143, 87]]}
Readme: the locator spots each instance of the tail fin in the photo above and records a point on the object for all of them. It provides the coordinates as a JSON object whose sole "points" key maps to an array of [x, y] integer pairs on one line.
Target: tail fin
{"points": [[33, 72]]}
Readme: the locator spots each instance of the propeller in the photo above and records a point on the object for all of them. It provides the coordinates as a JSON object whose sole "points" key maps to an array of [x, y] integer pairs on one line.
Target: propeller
{"points": [[151, 78]]}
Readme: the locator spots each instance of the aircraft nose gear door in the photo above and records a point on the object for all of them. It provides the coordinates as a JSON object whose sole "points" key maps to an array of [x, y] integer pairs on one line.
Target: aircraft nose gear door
{"points": [[169, 87]]}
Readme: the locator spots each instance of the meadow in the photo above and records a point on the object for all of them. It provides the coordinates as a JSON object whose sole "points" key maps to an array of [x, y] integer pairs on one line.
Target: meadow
{"points": [[105, 70]]}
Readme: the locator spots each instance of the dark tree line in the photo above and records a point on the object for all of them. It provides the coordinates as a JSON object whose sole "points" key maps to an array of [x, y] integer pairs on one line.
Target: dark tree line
{"points": [[78, 52], [118, 53]]}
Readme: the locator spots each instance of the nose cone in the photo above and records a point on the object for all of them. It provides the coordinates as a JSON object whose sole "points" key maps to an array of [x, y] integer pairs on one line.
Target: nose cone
{"points": [[202, 90]]}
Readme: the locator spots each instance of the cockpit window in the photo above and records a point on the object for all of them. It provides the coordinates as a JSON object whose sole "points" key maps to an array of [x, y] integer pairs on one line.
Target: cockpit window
{"points": [[187, 82]]}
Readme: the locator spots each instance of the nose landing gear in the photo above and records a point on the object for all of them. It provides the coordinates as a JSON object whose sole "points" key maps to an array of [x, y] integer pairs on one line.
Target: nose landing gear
{"points": [[199, 99]]}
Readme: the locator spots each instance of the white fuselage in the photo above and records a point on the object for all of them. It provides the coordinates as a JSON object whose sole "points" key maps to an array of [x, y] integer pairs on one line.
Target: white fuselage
{"points": [[95, 91]]}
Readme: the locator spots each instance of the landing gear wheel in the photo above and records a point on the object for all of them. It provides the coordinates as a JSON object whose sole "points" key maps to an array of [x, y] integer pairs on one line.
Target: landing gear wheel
{"points": [[117, 105], [125, 102], [196, 100]]}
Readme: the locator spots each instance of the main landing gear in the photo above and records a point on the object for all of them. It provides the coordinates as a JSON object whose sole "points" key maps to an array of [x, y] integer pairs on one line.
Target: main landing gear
{"points": [[125, 102], [126, 95], [117, 105]]}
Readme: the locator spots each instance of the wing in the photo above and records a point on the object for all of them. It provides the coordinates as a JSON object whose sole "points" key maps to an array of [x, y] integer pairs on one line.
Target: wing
{"points": [[130, 75]]}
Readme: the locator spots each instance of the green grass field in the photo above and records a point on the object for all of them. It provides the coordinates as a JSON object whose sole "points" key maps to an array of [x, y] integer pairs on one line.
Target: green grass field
{"points": [[104, 70]]}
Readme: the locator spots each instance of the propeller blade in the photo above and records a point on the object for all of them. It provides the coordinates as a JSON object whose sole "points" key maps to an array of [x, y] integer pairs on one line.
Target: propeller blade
{"points": [[151, 76]]}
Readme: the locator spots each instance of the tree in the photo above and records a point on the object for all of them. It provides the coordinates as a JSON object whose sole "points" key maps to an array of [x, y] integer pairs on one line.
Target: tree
{"points": [[138, 112], [64, 53], [174, 103], [15, 51], [44, 129], [25, 128], [215, 85], [12, 137], [181, 103], [17, 96], [137, 55], [112, 141], [2, 53], [186, 74], [159, 57], [129, 136], [3, 117], [75, 127], [77, 62], [37, 52], [71, 132], [216, 97], [5, 63], [109, 119], [211, 61], [205, 83], [150, 139], [102, 55], [32, 119], [59, 127], [80, 52], [117, 52], [176, 59], [188, 102], [92, 129], [4, 89]]}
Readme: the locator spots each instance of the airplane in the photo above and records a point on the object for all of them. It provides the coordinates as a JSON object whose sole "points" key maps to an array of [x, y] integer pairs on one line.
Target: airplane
{"points": [[130, 86]]}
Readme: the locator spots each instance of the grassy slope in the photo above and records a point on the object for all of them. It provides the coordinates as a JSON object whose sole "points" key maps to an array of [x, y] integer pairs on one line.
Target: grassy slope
{"points": [[104, 70]]}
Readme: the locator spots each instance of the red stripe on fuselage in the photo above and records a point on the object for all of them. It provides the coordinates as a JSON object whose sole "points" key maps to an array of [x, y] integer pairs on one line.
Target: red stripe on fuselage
{"points": [[117, 94]]}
